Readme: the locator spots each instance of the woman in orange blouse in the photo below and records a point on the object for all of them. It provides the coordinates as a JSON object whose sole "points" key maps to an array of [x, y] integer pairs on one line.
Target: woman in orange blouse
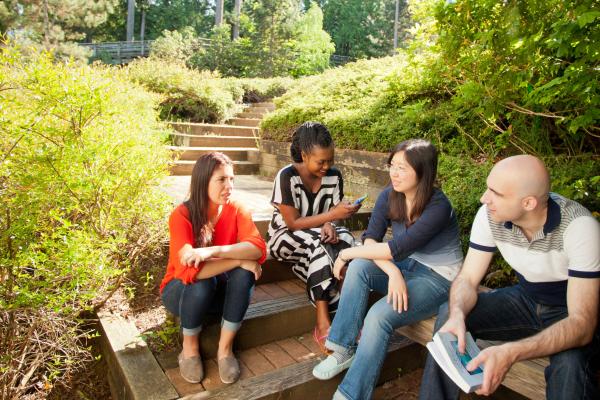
{"points": [[215, 253]]}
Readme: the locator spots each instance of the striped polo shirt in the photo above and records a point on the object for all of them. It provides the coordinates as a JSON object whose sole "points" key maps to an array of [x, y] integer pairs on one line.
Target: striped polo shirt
{"points": [[567, 246]]}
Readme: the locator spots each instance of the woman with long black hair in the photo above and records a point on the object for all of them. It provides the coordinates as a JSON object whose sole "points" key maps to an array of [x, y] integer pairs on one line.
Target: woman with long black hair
{"points": [[413, 270]]}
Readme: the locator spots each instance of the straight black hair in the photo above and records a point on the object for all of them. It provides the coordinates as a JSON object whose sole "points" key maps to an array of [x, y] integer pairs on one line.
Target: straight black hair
{"points": [[422, 156]]}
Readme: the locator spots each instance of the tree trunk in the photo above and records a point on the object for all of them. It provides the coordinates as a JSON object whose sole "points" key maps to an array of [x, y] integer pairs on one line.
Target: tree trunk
{"points": [[130, 19], [143, 29], [237, 8], [219, 13], [396, 24], [46, 25]]}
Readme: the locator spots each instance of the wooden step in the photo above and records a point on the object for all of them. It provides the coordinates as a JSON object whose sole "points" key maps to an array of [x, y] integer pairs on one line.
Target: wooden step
{"points": [[214, 141], [277, 311], [283, 370], [251, 114], [193, 153], [358, 222], [264, 104], [253, 122], [259, 110], [185, 167], [214, 129]]}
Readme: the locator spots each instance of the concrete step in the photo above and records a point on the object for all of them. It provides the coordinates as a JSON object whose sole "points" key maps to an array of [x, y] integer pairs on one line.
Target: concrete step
{"points": [[185, 167], [193, 153], [248, 122], [191, 128]]}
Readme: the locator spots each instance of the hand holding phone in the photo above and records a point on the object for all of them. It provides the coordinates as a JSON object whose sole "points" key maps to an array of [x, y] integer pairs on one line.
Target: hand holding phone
{"points": [[360, 200]]}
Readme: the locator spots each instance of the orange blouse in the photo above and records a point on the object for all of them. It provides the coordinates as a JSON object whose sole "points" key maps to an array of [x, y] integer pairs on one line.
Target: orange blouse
{"points": [[234, 225]]}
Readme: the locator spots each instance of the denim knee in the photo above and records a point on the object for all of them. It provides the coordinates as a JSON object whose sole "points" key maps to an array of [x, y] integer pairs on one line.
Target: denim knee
{"points": [[442, 317], [240, 283], [359, 269], [241, 279], [572, 366]]}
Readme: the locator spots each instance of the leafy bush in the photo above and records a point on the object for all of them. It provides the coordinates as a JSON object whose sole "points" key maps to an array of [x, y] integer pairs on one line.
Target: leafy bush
{"points": [[197, 96], [256, 90], [175, 46], [81, 155], [200, 96], [340, 98]]}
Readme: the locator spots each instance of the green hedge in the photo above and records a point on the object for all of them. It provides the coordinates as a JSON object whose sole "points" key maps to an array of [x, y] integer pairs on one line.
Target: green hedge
{"points": [[81, 155], [200, 96]]}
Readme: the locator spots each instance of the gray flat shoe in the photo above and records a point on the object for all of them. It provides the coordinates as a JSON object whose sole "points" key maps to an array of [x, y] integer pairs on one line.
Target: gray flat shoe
{"points": [[191, 368], [229, 369]]}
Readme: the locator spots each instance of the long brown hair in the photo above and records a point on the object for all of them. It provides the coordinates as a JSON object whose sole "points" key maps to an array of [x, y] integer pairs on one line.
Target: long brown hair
{"points": [[198, 202], [421, 155]]}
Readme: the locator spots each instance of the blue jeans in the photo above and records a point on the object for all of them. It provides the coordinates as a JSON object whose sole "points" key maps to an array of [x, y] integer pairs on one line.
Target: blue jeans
{"points": [[510, 314], [227, 294], [426, 291]]}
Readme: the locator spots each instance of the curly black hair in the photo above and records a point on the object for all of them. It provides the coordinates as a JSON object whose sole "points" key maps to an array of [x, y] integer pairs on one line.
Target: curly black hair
{"points": [[308, 135]]}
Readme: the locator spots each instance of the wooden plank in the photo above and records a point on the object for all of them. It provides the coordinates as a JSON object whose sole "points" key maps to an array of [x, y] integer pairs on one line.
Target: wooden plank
{"points": [[275, 291], [296, 381], [259, 295], [274, 271], [276, 355], [292, 286], [245, 372], [265, 321], [256, 362], [182, 386], [296, 350], [525, 377], [307, 341], [211, 379], [137, 372]]}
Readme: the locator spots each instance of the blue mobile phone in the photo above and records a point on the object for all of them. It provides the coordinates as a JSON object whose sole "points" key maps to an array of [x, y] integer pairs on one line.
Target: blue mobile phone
{"points": [[360, 200]]}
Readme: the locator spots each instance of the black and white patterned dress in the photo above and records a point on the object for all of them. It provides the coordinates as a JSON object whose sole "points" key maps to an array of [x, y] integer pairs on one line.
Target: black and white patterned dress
{"points": [[302, 247]]}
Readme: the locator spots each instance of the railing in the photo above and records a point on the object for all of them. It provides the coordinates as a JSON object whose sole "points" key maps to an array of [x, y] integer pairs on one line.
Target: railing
{"points": [[124, 52]]}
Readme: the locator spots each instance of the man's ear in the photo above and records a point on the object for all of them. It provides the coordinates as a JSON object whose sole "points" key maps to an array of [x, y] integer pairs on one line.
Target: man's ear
{"points": [[529, 203]]}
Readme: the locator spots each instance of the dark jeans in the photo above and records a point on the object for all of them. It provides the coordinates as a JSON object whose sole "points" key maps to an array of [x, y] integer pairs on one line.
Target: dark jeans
{"points": [[227, 294], [510, 314]]}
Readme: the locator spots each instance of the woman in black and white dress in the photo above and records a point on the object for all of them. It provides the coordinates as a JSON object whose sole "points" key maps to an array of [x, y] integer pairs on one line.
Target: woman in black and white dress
{"points": [[307, 196]]}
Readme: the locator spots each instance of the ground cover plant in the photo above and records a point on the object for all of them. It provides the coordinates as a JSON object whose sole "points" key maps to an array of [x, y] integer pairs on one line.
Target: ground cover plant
{"points": [[81, 152]]}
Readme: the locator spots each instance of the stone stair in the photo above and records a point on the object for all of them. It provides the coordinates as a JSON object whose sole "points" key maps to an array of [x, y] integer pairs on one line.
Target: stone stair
{"points": [[275, 345], [238, 138]]}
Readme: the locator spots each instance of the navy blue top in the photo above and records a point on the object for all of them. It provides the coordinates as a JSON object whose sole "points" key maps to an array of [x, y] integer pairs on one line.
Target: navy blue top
{"points": [[433, 239]]}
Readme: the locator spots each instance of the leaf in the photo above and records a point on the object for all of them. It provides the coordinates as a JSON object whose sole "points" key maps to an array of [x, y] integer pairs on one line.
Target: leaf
{"points": [[587, 18]]}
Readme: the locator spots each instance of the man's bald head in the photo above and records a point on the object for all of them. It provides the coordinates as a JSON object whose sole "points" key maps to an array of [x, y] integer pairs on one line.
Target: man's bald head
{"points": [[528, 176]]}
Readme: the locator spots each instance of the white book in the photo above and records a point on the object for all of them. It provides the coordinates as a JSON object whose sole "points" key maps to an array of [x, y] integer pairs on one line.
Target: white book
{"points": [[444, 349]]}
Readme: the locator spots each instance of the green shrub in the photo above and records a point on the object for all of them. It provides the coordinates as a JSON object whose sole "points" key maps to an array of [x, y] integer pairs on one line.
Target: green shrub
{"points": [[196, 96], [81, 155], [256, 90], [175, 46], [200, 96]]}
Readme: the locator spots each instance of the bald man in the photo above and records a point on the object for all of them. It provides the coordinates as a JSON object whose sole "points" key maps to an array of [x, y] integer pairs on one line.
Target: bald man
{"points": [[553, 244]]}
